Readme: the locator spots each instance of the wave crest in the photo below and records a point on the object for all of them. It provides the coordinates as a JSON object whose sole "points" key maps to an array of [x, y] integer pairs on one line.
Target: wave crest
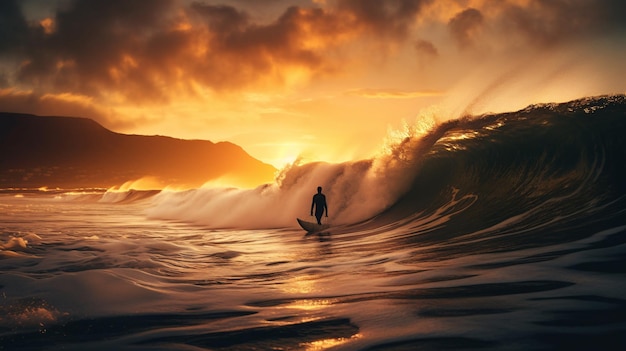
{"points": [[510, 161]]}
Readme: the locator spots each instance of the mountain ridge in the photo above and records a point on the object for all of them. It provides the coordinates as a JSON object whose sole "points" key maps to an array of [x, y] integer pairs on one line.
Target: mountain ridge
{"points": [[57, 151]]}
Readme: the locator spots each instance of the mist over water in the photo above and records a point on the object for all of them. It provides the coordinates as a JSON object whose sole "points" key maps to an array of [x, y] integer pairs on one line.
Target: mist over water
{"points": [[499, 232]]}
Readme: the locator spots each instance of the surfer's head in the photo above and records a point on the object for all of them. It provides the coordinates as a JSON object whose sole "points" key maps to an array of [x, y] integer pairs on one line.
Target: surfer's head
{"points": [[319, 189]]}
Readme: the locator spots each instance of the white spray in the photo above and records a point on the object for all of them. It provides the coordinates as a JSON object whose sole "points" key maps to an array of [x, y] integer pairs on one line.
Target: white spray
{"points": [[355, 191]]}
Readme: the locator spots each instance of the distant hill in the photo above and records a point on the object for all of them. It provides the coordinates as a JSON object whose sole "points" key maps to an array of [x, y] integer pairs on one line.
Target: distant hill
{"points": [[69, 152]]}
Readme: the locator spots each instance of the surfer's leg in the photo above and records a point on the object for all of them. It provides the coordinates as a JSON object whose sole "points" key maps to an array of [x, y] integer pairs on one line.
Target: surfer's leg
{"points": [[319, 218]]}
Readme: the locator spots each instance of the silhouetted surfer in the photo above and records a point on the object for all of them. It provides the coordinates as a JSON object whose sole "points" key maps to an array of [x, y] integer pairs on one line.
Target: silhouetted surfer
{"points": [[319, 202]]}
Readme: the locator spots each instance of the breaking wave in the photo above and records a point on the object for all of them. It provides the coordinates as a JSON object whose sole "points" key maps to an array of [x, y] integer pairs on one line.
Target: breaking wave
{"points": [[478, 173]]}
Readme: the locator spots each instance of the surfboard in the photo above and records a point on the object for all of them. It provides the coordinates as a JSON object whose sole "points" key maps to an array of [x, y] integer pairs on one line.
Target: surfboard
{"points": [[312, 227]]}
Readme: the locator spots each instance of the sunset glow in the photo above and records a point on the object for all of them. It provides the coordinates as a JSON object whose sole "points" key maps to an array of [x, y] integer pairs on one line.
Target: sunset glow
{"points": [[312, 174], [321, 80]]}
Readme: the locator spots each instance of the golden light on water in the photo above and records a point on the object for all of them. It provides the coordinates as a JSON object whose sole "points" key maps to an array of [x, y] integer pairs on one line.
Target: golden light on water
{"points": [[312, 304], [325, 344], [301, 284]]}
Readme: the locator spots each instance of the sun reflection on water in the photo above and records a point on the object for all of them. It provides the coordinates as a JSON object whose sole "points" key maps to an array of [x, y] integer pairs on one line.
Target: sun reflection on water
{"points": [[325, 344], [312, 304], [303, 284]]}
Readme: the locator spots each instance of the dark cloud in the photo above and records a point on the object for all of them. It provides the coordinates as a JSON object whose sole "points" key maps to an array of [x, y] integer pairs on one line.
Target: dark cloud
{"points": [[91, 39], [426, 48], [222, 19], [146, 50], [550, 22], [137, 49], [4, 80], [13, 26], [465, 25], [391, 17]]}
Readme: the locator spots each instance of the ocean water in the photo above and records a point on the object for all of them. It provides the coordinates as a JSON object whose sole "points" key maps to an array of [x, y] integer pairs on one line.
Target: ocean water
{"points": [[499, 232]]}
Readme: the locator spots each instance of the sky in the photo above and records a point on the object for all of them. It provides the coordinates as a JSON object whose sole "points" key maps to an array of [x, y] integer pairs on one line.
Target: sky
{"points": [[329, 80]]}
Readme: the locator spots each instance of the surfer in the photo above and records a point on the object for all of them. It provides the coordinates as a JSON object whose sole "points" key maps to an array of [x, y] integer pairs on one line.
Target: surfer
{"points": [[319, 202]]}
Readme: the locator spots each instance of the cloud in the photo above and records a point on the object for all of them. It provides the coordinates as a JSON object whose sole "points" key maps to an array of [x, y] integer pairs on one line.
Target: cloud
{"points": [[426, 48], [91, 39], [387, 18], [13, 26], [239, 52], [553, 22], [222, 18], [465, 26], [143, 50]]}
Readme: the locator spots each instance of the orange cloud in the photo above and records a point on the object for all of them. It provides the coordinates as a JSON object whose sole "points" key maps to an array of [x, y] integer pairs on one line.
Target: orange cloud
{"points": [[48, 25], [143, 49]]}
